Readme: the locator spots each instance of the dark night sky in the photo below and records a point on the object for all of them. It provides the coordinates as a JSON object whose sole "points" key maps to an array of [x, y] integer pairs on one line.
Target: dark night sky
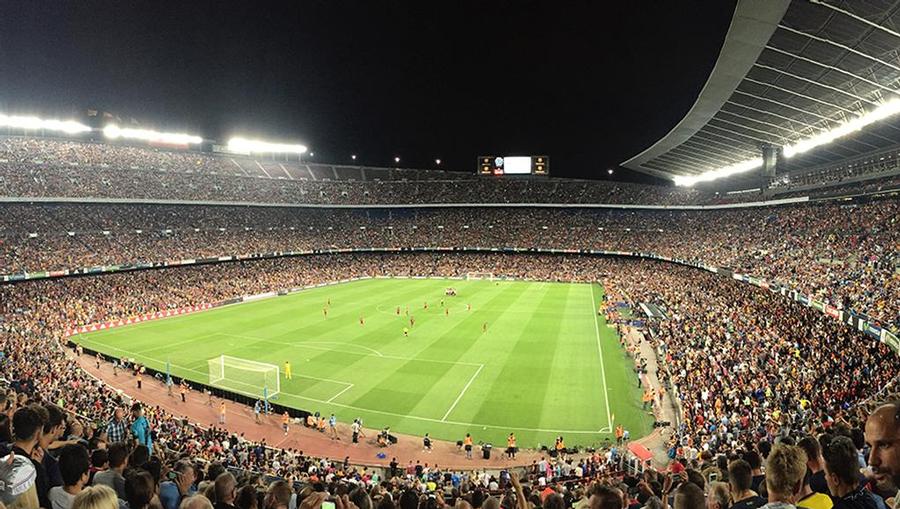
{"points": [[587, 83]]}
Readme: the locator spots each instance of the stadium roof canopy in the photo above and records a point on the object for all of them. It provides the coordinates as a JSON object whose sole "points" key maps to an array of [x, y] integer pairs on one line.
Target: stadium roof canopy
{"points": [[789, 71]]}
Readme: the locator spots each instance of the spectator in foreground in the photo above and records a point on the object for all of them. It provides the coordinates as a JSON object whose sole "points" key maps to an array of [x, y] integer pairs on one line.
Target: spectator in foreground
{"points": [[139, 489], [171, 493], [28, 425], [196, 502], [74, 465], [811, 499], [815, 464], [689, 496], [842, 474], [883, 436], [718, 496], [114, 476], [740, 478], [225, 489], [605, 497], [785, 469], [96, 497]]}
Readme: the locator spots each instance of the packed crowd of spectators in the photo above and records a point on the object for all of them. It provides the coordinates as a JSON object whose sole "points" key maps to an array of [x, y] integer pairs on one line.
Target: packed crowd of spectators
{"points": [[844, 253], [38, 167], [31, 167], [748, 370]]}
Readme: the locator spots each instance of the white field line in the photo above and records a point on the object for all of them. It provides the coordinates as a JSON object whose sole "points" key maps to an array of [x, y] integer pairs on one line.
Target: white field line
{"points": [[382, 412], [462, 392], [609, 423], [345, 389]]}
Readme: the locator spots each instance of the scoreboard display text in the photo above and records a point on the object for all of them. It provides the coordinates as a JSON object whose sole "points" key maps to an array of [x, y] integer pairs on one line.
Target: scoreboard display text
{"points": [[513, 165]]}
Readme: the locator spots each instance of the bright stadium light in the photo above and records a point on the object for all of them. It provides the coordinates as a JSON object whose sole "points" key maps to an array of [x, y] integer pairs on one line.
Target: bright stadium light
{"points": [[353, 156], [437, 162], [37, 124], [727, 171], [882, 112], [609, 171], [114, 132], [396, 159], [311, 154], [245, 146]]}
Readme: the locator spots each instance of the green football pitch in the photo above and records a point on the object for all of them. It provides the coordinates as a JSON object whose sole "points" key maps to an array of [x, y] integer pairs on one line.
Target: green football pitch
{"points": [[547, 364]]}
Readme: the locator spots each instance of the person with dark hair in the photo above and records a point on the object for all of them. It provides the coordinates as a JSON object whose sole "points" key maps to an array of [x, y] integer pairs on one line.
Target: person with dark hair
{"points": [[140, 428], [842, 474], [755, 461], [99, 463], [814, 463], [740, 479], [139, 457], [114, 476], [54, 427], [883, 436], [74, 466], [27, 427], [139, 489], [689, 496], [246, 498], [605, 497]]}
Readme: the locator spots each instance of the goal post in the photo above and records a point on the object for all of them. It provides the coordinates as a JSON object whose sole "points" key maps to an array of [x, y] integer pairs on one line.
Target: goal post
{"points": [[480, 275], [251, 378]]}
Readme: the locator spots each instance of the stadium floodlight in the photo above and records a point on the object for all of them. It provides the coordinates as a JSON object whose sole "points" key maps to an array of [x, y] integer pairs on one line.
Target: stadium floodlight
{"points": [[311, 154], [114, 132], [437, 162], [245, 146], [396, 159], [727, 171], [353, 156], [37, 124], [609, 171], [883, 111]]}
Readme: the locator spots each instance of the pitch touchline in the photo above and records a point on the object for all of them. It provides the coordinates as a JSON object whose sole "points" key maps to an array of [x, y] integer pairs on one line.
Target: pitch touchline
{"points": [[609, 423], [461, 393], [383, 412]]}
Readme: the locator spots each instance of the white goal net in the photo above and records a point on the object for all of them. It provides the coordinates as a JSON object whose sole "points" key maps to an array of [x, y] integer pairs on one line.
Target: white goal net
{"points": [[244, 376], [480, 275]]}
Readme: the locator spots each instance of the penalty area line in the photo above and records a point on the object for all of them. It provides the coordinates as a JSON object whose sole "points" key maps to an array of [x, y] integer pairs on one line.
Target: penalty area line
{"points": [[444, 418], [345, 389]]}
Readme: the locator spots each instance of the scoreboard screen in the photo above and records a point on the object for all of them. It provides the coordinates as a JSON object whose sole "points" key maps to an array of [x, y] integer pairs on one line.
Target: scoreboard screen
{"points": [[513, 165]]}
